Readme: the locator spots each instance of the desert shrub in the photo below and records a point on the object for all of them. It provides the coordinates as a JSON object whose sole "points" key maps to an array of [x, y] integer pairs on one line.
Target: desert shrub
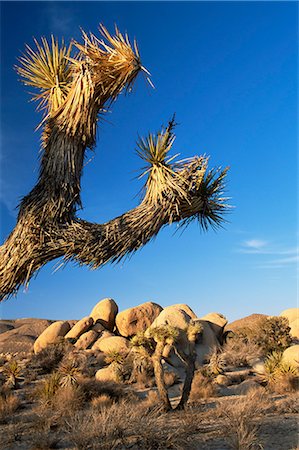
{"points": [[270, 334], [238, 352], [216, 364], [202, 387], [152, 400], [170, 378], [238, 416], [67, 399], [114, 356], [136, 367], [144, 380], [50, 357], [92, 388], [9, 403]]}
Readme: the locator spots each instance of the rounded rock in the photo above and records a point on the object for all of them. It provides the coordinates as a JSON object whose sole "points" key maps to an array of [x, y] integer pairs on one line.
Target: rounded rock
{"points": [[86, 340], [291, 314], [291, 355], [51, 335], [137, 319], [105, 312], [79, 328], [113, 344], [106, 374]]}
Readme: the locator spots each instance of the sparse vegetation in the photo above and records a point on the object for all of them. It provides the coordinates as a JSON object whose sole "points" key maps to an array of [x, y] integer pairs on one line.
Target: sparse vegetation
{"points": [[202, 387], [238, 351], [9, 403], [50, 357], [240, 426]]}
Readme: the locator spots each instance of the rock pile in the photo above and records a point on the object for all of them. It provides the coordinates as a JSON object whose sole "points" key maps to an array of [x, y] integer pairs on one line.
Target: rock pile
{"points": [[106, 330]]}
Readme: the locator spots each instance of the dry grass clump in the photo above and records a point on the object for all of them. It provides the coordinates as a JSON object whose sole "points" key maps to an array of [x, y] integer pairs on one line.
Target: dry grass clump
{"points": [[239, 419], [50, 357], [237, 352], [67, 399], [9, 403], [92, 388], [143, 380], [123, 425], [170, 378], [152, 400], [202, 387], [102, 401]]}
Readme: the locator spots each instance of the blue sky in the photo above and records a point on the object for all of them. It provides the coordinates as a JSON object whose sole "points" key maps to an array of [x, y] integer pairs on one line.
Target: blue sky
{"points": [[229, 71]]}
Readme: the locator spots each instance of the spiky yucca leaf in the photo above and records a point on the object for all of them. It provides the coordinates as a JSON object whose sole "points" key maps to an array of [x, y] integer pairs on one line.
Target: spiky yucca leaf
{"points": [[48, 69], [162, 178]]}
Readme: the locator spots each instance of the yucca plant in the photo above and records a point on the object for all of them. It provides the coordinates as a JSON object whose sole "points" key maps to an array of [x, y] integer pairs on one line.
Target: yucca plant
{"points": [[280, 375], [69, 373], [48, 388], [73, 89], [115, 357], [12, 372]]}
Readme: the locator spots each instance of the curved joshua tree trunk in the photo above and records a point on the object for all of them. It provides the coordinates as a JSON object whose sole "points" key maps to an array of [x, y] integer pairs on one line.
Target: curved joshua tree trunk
{"points": [[47, 226], [159, 376]]}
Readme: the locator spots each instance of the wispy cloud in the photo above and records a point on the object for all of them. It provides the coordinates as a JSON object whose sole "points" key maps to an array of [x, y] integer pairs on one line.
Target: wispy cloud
{"points": [[280, 256], [255, 244]]}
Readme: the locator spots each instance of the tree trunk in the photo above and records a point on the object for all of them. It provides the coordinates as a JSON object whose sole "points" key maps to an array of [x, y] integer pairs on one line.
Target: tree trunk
{"points": [[159, 376], [190, 361]]}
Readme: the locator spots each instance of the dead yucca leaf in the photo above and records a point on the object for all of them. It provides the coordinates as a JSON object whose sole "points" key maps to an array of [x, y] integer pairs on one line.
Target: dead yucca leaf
{"points": [[118, 60]]}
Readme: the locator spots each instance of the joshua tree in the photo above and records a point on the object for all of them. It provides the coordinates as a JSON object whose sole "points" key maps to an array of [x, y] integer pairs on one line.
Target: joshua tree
{"points": [[163, 335], [193, 331], [73, 91]]}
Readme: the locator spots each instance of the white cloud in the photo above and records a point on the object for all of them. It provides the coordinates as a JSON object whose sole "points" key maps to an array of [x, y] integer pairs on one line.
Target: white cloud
{"points": [[255, 244]]}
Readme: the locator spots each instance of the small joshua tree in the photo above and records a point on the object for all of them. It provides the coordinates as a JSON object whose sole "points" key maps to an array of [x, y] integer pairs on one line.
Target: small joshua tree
{"points": [[192, 333], [73, 88], [163, 335]]}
